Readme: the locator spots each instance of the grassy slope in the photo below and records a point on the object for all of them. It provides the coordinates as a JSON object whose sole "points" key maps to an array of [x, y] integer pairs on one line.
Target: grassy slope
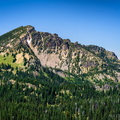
{"points": [[9, 60]]}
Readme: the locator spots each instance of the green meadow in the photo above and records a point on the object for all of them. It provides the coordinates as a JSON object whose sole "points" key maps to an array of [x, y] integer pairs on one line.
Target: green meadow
{"points": [[9, 60]]}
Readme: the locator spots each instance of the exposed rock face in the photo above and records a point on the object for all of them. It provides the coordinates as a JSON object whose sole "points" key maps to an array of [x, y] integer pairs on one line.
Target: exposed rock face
{"points": [[57, 53], [101, 52]]}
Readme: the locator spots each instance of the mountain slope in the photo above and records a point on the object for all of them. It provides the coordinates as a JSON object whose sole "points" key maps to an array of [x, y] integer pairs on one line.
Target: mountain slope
{"points": [[31, 86], [29, 47]]}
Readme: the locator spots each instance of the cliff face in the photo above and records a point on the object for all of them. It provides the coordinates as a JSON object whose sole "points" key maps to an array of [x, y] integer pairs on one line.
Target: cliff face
{"points": [[52, 51], [56, 52]]}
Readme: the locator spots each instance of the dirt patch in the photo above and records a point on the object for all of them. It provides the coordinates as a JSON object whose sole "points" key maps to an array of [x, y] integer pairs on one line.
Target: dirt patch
{"points": [[12, 81], [23, 35], [2, 53], [27, 56], [9, 45], [19, 58]]}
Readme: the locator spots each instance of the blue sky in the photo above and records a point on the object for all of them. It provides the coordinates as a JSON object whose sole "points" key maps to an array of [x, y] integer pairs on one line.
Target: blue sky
{"points": [[95, 22]]}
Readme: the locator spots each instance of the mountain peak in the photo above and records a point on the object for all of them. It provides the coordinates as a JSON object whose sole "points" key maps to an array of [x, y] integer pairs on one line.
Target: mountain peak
{"points": [[30, 28], [57, 53]]}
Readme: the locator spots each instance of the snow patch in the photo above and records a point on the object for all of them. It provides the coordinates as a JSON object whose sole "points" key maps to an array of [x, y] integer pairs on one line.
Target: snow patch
{"points": [[29, 41]]}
